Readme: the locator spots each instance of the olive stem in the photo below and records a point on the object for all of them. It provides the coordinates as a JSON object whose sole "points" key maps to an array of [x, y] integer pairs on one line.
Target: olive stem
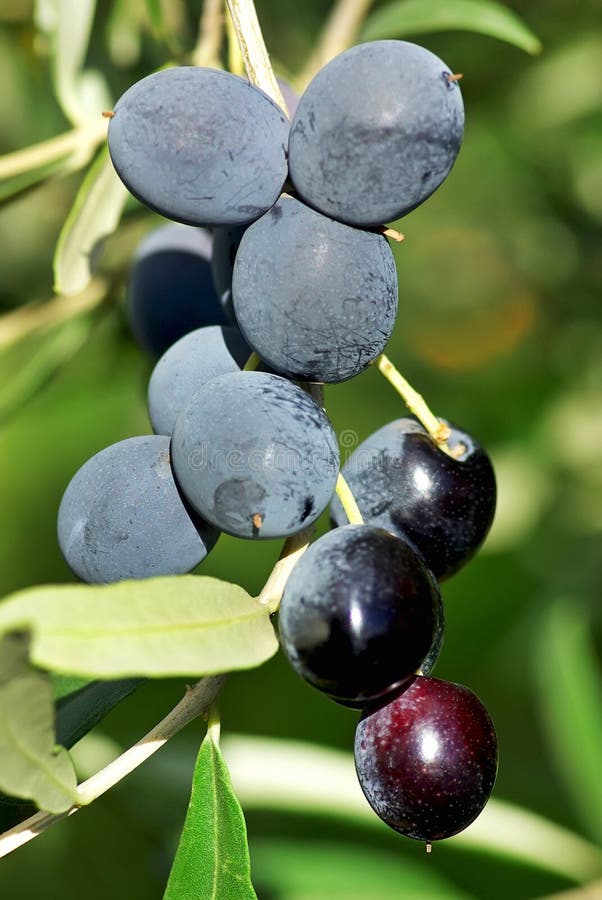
{"points": [[293, 550], [394, 235], [338, 34], [211, 31], [21, 322], [415, 402], [253, 363], [253, 49], [45, 152], [348, 502], [197, 700]]}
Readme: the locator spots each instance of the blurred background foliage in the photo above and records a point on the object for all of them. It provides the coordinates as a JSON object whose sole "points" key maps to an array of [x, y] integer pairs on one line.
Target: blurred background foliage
{"points": [[500, 328]]}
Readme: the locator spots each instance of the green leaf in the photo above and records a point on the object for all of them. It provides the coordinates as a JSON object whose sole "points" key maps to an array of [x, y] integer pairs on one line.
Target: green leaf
{"points": [[68, 24], [312, 870], [212, 860], [32, 766], [14, 656], [95, 215], [79, 712], [64, 685], [81, 705], [406, 17], [570, 700], [159, 627]]}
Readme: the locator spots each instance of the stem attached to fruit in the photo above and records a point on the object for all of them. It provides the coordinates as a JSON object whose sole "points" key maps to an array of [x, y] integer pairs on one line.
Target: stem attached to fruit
{"points": [[253, 363], [396, 236], [415, 402], [345, 495], [253, 49], [292, 552]]}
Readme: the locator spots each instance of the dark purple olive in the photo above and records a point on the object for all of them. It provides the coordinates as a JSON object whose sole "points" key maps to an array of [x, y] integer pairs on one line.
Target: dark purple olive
{"points": [[443, 505], [359, 614], [427, 760]]}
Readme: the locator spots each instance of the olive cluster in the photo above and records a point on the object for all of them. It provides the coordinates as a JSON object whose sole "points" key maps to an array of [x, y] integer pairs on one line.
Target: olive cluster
{"points": [[281, 258]]}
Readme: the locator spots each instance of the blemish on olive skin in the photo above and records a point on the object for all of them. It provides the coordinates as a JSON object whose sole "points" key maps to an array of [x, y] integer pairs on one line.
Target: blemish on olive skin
{"points": [[308, 508]]}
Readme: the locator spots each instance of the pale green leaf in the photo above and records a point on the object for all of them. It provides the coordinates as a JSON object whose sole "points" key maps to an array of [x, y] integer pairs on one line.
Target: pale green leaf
{"points": [[64, 685], [95, 215], [312, 870], [570, 703], [212, 860], [68, 25], [159, 627], [14, 655], [32, 767], [562, 89], [407, 17]]}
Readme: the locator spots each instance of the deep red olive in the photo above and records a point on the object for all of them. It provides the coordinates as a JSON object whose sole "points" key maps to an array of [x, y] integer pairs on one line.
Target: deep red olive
{"points": [[427, 760]]}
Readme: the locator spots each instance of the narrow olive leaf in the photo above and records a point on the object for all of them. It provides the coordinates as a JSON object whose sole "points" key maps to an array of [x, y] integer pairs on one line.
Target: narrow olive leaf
{"points": [[159, 627], [569, 694], [212, 859], [14, 655], [80, 711], [68, 25], [64, 685], [406, 17], [94, 215], [32, 766]]}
